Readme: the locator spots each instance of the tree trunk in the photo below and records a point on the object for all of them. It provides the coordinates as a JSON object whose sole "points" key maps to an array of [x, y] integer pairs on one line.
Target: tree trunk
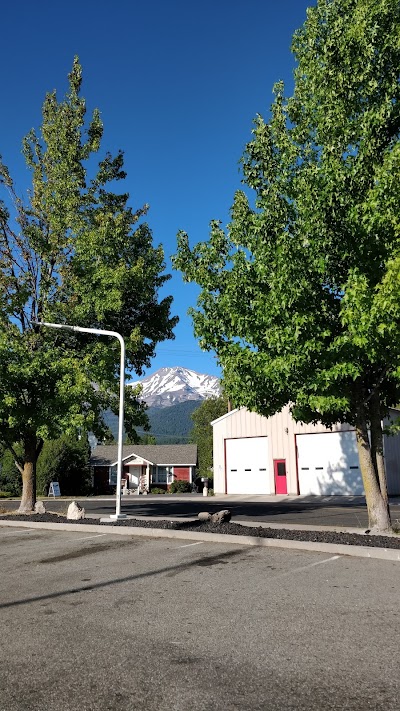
{"points": [[28, 499], [377, 445], [378, 511]]}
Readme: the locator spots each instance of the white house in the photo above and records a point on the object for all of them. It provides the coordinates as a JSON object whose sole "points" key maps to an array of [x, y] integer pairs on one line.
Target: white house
{"points": [[276, 455]]}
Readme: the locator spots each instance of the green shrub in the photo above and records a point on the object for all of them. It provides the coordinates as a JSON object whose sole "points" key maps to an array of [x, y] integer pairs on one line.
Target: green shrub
{"points": [[157, 490], [10, 476], [180, 487], [210, 492], [5, 494], [65, 460]]}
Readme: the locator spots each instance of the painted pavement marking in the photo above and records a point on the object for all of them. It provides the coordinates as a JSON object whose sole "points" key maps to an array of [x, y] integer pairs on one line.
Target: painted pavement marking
{"points": [[187, 545]]}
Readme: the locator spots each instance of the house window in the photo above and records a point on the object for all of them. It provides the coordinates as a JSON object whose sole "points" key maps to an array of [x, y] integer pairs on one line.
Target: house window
{"points": [[163, 475], [113, 476]]}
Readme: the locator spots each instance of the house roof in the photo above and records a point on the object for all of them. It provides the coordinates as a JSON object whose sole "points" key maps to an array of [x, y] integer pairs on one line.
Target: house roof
{"points": [[162, 454]]}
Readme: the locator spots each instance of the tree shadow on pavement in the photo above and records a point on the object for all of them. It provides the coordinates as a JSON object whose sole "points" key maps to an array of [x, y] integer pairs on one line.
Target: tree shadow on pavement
{"points": [[201, 561]]}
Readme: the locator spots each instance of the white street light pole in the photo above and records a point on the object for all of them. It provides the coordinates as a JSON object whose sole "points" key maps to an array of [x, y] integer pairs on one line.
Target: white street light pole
{"points": [[99, 332]]}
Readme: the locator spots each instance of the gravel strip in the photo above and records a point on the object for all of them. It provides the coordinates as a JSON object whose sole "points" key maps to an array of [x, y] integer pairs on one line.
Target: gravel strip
{"points": [[236, 529]]}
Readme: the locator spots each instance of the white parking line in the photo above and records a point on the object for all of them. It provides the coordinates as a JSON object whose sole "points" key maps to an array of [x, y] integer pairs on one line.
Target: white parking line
{"points": [[191, 544], [87, 538], [318, 562], [69, 540], [305, 567]]}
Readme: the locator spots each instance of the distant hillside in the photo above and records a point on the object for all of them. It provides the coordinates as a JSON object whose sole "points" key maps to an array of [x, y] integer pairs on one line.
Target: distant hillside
{"points": [[173, 424], [169, 425]]}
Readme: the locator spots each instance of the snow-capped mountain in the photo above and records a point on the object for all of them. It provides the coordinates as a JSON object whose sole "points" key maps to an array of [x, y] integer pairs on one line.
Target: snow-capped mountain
{"points": [[168, 386]]}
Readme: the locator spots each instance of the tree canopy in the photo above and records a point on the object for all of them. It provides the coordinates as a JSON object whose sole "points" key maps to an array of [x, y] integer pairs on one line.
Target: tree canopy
{"points": [[202, 433], [300, 294], [74, 252]]}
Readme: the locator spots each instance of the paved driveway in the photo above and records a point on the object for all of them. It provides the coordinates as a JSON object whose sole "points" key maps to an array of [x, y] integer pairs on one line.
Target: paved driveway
{"points": [[94, 622]]}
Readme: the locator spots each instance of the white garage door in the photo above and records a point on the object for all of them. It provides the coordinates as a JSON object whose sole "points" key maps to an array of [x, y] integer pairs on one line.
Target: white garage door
{"points": [[247, 466], [328, 464]]}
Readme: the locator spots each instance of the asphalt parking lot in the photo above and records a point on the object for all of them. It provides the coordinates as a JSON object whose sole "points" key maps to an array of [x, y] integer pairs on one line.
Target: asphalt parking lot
{"points": [[96, 622]]}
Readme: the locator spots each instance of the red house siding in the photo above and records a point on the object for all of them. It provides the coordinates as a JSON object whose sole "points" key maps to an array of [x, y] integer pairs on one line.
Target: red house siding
{"points": [[182, 473]]}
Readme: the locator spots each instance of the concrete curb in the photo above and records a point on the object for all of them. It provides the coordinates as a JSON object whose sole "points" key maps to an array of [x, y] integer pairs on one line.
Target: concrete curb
{"points": [[245, 522], [333, 548]]}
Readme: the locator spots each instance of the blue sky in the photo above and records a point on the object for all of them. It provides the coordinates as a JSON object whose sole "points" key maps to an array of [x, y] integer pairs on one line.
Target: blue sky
{"points": [[178, 85]]}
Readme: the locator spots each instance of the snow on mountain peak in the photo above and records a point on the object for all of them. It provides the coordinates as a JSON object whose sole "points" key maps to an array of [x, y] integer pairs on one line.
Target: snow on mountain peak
{"points": [[168, 386]]}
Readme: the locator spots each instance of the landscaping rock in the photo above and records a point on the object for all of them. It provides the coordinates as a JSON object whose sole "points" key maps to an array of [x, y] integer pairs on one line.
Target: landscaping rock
{"points": [[40, 507], [223, 516], [75, 512], [204, 516]]}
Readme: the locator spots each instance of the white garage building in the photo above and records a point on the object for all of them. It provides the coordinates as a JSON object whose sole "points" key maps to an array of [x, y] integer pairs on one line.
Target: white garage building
{"points": [[275, 455]]}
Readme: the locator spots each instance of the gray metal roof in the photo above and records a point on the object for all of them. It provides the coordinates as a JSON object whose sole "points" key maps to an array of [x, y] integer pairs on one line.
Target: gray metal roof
{"points": [[162, 454]]}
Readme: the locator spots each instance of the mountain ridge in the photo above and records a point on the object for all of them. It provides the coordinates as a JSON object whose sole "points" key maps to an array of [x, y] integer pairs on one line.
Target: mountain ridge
{"points": [[170, 386]]}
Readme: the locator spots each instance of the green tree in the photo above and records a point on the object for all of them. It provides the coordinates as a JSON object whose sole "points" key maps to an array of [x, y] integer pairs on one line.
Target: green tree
{"points": [[140, 438], [146, 439], [202, 432], [75, 253], [300, 295], [65, 460], [109, 438], [10, 476]]}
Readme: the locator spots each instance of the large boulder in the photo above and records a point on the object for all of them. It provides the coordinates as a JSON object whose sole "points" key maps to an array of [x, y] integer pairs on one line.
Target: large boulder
{"points": [[75, 512], [223, 516], [204, 516]]}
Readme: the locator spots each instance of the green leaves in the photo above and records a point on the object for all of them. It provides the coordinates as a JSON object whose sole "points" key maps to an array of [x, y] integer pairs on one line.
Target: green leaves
{"points": [[202, 434], [299, 297], [76, 254]]}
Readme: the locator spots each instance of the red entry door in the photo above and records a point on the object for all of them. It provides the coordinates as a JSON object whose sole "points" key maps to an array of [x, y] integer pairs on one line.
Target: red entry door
{"points": [[280, 476]]}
